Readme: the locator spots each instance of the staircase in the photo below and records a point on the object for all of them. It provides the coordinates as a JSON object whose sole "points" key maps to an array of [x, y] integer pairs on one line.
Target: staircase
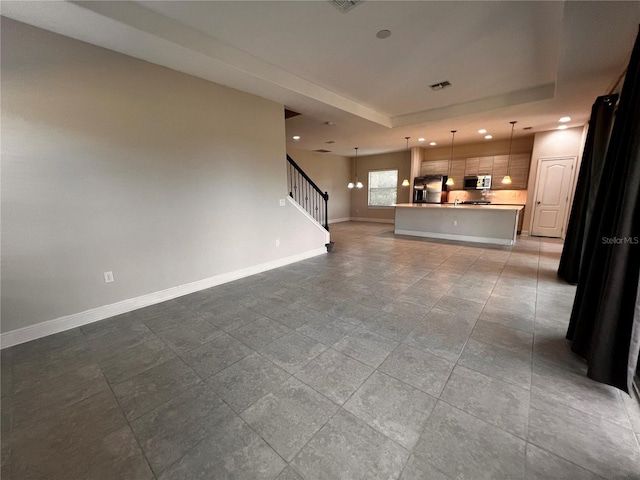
{"points": [[308, 195]]}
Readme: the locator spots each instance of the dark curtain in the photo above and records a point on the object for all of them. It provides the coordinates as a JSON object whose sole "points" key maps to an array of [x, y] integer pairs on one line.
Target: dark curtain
{"points": [[595, 150], [603, 321]]}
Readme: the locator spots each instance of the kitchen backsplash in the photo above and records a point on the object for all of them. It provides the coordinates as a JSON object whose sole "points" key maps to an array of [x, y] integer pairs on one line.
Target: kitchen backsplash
{"points": [[498, 197]]}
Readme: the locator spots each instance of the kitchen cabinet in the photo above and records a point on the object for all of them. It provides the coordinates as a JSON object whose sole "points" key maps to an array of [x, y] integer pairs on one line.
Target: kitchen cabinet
{"points": [[497, 166]]}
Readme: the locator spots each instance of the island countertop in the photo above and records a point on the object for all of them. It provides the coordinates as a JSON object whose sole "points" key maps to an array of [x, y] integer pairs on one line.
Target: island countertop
{"points": [[459, 206], [495, 224]]}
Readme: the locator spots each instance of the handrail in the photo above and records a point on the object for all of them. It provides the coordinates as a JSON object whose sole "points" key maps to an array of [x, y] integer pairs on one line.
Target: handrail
{"points": [[304, 191]]}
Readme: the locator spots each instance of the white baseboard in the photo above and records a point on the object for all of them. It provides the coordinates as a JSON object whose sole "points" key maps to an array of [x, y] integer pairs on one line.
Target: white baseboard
{"points": [[524, 233], [374, 220], [339, 220], [57, 325]]}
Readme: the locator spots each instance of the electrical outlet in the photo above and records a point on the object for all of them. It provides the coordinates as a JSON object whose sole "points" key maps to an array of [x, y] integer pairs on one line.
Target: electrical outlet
{"points": [[282, 202], [108, 277], [455, 223], [277, 242]]}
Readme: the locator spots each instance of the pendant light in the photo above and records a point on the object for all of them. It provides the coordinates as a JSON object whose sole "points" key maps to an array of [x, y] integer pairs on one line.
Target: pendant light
{"points": [[405, 182], [507, 178], [450, 181], [358, 183]]}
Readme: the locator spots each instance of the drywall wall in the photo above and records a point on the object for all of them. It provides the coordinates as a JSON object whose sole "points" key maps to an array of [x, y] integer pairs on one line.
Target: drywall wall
{"points": [[386, 161], [113, 164], [331, 174], [550, 144]]}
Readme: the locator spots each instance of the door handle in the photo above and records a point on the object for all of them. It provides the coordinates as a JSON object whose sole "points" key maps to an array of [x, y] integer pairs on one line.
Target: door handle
{"points": [[537, 203]]}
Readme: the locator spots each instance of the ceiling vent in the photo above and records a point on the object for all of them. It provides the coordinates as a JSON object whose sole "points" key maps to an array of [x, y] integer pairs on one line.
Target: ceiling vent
{"points": [[441, 85], [345, 5], [322, 150]]}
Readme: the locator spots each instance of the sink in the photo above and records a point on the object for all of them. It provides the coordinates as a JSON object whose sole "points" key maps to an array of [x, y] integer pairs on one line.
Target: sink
{"points": [[475, 202]]}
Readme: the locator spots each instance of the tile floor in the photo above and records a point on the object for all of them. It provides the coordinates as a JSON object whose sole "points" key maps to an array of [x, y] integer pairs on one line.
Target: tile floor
{"points": [[388, 358]]}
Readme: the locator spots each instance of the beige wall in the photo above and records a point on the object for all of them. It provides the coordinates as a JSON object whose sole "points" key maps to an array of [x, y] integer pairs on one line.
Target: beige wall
{"points": [[388, 161], [113, 164], [550, 144], [331, 174]]}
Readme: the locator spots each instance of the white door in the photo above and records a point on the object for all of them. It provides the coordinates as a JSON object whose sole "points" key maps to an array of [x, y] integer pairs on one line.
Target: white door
{"points": [[553, 188]]}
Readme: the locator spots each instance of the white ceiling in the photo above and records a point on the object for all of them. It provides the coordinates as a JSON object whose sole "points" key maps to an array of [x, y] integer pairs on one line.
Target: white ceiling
{"points": [[515, 60]]}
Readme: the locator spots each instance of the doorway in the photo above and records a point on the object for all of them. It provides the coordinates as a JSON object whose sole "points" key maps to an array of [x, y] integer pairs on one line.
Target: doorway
{"points": [[551, 202]]}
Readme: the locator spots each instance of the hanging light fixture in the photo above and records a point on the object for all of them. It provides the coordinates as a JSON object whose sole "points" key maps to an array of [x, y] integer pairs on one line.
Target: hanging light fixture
{"points": [[507, 178], [405, 182], [358, 183], [450, 181]]}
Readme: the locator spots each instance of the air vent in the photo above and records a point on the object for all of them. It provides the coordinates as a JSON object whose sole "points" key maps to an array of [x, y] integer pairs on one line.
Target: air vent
{"points": [[345, 5], [330, 141], [322, 150], [441, 85]]}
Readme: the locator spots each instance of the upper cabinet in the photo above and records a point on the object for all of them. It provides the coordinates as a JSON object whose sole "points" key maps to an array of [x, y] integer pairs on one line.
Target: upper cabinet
{"points": [[497, 166]]}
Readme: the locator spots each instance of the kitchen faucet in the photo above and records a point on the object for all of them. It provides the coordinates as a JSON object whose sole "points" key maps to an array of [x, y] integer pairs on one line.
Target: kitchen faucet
{"points": [[456, 201]]}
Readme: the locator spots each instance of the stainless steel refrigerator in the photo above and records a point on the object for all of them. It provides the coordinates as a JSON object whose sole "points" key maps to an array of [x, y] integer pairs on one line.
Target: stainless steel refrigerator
{"points": [[429, 189]]}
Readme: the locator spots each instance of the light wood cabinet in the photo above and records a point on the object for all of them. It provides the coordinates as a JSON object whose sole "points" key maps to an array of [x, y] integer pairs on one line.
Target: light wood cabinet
{"points": [[471, 166], [497, 166], [457, 173], [485, 166]]}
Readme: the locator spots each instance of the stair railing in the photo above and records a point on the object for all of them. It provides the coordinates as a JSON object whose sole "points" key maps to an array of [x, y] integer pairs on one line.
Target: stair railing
{"points": [[307, 194]]}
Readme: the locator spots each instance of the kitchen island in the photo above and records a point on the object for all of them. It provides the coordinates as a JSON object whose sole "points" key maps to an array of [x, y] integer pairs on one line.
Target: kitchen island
{"points": [[494, 224]]}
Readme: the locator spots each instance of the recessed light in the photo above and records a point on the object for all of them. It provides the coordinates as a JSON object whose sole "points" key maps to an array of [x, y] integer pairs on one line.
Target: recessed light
{"points": [[482, 131], [565, 119], [488, 137], [328, 123], [296, 137], [330, 141], [421, 139], [562, 127], [527, 128], [383, 34], [433, 144]]}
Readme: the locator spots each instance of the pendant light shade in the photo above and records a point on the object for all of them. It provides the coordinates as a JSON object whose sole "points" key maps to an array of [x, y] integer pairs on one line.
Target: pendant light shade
{"points": [[450, 181], [506, 180], [357, 184], [405, 182]]}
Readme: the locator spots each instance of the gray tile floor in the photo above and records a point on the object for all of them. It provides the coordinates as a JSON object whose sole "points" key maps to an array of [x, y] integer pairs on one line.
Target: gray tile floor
{"points": [[389, 358]]}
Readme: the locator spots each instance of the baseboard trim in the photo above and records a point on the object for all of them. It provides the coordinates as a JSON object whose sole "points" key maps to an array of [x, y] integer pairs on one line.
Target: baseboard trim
{"points": [[339, 220], [373, 220], [57, 325]]}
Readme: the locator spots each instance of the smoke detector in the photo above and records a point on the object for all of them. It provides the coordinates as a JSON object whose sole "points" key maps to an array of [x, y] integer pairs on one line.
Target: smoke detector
{"points": [[345, 5]]}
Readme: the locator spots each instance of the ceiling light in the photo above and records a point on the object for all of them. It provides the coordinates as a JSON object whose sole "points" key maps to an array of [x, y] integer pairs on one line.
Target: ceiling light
{"points": [[383, 34], [565, 119], [405, 182], [450, 181], [357, 184], [433, 144], [296, 137], [421, 139], [506, 180], [328, 123], [482, 131], [562, 127], [488, 137]]}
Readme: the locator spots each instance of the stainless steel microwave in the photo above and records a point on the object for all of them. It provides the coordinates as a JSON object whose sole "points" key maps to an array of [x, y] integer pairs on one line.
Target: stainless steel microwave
{"points": [[477, 182]]}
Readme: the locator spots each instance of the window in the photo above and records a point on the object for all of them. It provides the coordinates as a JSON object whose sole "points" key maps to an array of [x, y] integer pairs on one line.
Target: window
{"points": [[383, 188]]}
